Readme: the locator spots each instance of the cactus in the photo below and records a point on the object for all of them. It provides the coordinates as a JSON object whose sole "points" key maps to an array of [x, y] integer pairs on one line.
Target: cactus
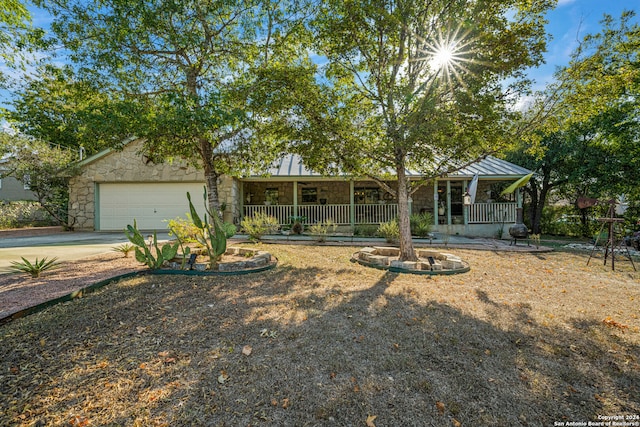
{"points": [[211, 236], [143, 252]]}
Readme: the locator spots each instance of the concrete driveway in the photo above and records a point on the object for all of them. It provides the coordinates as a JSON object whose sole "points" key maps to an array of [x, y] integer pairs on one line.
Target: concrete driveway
{"points": [[65, 246]]}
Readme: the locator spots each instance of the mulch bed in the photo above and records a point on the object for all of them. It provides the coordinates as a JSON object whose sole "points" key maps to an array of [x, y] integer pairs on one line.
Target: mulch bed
{"points": [[522, 339]]}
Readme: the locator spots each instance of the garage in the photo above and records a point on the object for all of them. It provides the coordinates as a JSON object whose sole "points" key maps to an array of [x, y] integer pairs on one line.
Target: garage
{"points": [[150, 204]]}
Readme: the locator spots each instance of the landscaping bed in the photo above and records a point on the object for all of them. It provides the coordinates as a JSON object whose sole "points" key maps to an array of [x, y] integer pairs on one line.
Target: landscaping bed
{"points": [[521, 339]]}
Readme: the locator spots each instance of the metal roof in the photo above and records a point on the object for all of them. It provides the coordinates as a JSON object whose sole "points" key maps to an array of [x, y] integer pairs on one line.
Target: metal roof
{"points": [[291, 166]]}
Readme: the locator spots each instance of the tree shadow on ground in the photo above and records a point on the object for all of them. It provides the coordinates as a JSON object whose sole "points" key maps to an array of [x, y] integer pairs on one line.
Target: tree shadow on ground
{"points": [[306, 346]]}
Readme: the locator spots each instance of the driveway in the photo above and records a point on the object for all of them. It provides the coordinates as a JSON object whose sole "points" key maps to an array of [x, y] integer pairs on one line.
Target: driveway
{"points": [[65, 246]]}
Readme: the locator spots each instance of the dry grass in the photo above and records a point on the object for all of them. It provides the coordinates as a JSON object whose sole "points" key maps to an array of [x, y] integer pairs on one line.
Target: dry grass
{"points": [[522, 339]]}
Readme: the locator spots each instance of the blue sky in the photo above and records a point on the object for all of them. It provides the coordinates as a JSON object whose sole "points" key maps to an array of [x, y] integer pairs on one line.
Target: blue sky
{"points": [[569, 22]]}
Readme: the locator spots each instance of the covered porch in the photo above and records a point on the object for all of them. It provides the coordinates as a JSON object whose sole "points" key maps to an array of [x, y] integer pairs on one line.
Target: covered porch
{"points": [[352, 203], [290, 192]]}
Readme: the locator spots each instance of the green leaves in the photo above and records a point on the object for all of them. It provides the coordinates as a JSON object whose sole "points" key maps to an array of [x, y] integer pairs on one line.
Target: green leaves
{"points": [[211, 236], [34, 268], [143, 251]]}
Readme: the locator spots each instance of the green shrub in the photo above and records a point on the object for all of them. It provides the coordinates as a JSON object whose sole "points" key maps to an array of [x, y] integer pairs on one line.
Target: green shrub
{"points": [[229, 229], [390, 231], [567, 221], [365, 230], [183, 229], [421, 224], [35, 268], [259, 224], [186, 231], [321, 229], [23, 213]]}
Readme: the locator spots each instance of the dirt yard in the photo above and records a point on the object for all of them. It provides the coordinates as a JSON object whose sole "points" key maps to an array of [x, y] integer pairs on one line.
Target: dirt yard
{"points": [[522, 339]]}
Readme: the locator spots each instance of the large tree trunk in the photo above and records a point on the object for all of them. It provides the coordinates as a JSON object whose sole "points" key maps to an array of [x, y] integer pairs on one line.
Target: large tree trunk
{"points": [[407, 253], [210, 176]]}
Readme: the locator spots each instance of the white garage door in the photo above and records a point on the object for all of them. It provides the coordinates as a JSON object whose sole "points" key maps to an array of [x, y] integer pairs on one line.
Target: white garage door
{"points": [[151, 205]]}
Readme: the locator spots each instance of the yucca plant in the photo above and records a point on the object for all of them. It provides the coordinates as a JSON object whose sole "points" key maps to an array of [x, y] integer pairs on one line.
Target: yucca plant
{"points": [[35, 268]]}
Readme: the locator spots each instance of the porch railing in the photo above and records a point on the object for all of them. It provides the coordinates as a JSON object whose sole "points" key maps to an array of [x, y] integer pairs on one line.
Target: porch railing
{"points": [[489, 213], [375, 213], [340, 214], [282, 213], [318, 213]]}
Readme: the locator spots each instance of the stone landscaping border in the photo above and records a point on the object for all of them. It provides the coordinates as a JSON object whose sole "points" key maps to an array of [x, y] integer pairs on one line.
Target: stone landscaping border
{"points": [[430, 262], [261, 261]]}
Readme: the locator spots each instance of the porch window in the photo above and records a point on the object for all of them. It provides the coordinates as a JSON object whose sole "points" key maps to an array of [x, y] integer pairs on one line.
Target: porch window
{"points": [[366, 195], [271, 196], [310, 195]]}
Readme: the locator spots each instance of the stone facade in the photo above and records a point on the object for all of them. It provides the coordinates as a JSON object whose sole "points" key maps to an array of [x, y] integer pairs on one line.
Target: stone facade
{"points": [[130, 166]]}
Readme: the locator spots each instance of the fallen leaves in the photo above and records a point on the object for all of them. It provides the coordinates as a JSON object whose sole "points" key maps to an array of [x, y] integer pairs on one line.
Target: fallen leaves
{"points": [[440, 406], [247, 350], [284, 403], [78, 421], [613, 324], [370, 420]]}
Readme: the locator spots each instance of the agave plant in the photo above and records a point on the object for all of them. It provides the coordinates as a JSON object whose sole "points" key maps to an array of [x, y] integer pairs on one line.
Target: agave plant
{"points": [[124, 249], [35, 268]]}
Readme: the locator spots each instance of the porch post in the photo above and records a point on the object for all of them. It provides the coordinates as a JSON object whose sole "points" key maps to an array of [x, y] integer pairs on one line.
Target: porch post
{"points": [[518, 198], [448, 202], [295, 198], [352, 204], [436, 202], [241, 200], [465, 209]]}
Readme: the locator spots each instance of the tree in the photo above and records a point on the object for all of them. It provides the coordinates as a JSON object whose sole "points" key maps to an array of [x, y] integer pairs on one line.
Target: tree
{"points": [[56, 106], [603, 72], [416, 86], [14, 18], [46, 170], [590, 141], [194, 67]]}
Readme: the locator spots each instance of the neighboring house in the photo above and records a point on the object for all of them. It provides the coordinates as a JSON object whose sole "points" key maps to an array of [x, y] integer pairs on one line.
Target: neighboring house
{"points": [[12, 189], [116, 187]]}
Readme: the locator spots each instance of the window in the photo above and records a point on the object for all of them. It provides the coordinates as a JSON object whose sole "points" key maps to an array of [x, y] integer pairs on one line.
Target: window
{"points": [[271, 196], [366, 195], [310, 195]]}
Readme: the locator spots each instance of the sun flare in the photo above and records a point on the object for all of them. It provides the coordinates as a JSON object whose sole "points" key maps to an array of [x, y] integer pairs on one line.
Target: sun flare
{"points": [[448, 54], [442, 57]]}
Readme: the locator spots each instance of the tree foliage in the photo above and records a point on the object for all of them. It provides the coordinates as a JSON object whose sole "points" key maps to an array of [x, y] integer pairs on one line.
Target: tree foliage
{"points": [[57, 107], [14, 18], [386, 105], [193, 66], [589, 146], [45, 169]]}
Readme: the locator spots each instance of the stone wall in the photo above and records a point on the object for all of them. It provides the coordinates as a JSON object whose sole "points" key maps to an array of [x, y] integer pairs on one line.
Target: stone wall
{"points": [[125, 166]]}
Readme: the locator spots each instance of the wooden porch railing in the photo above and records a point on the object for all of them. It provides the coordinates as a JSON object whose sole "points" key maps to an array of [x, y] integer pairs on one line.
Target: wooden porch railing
{"points": [[489, 213], [340, 214], [375, 213], [282, 213]]}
